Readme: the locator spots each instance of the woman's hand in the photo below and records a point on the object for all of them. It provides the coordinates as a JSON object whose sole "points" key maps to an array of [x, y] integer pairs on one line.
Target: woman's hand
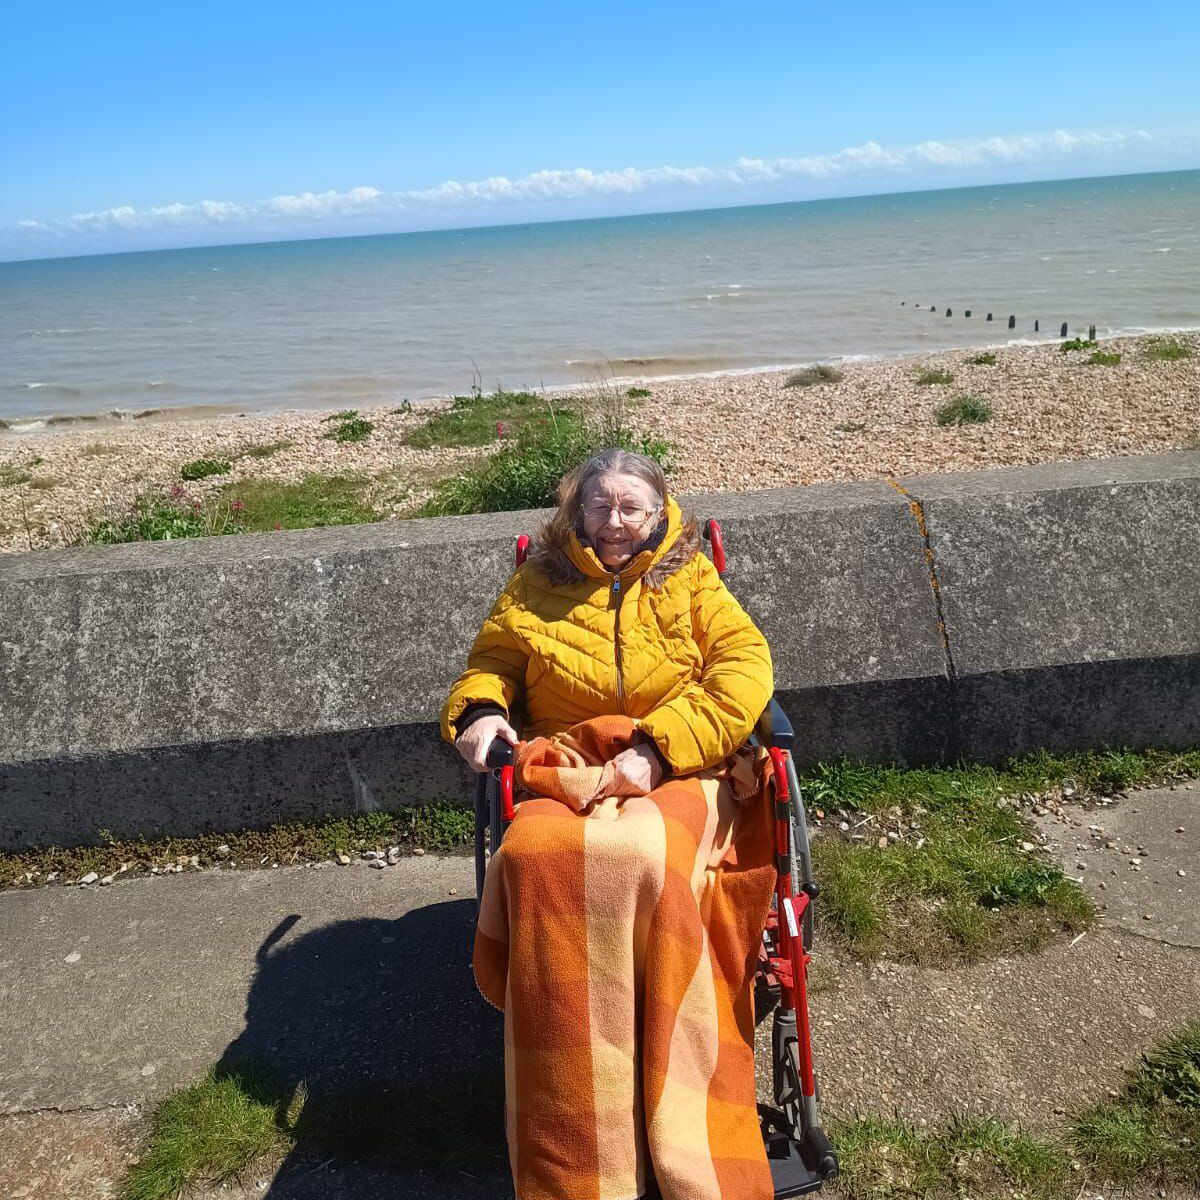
{"points": [[473, 743], [636, 772]]}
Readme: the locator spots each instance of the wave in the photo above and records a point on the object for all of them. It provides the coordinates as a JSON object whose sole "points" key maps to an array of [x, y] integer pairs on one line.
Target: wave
{"points": [[66, 421], [652, 363], [53, 389]]}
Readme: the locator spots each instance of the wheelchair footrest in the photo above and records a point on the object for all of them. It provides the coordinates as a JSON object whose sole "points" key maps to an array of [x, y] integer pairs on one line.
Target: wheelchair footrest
{"points": [[791, 1173]]}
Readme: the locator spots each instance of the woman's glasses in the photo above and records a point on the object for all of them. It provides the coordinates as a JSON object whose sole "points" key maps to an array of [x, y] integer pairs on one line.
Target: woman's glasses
{"points": [[630, 514]]}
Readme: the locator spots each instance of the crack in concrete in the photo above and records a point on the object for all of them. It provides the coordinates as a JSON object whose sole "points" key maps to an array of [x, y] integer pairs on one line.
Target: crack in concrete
{"points": [[59, 1110], [1130, 931], [918, 512]]}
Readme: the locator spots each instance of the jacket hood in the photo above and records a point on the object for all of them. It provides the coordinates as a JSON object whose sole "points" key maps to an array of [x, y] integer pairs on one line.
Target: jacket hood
{"points": [[673, 544]]}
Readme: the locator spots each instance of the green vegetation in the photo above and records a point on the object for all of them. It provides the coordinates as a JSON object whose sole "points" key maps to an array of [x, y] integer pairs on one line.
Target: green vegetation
{"points": [[1164, 349], [1149, 1135], [1077, 344], [440, 826], [202, 468], [638, 393], [316, 500], [931, 377], [162, 519], [886, 1159], [987, 359], [938, 873], [1151, 1131], [264, 449], [478, 420], [964, 410], [250, 506], [221, 1126], [821, 373], [11, 476], [526, 470], [952, 885], [1105, 358], [352, 429], [208, 1133]]}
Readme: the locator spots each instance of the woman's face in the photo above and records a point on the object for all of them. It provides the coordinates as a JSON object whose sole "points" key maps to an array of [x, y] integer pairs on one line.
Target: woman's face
{"points": [[619, 513]]}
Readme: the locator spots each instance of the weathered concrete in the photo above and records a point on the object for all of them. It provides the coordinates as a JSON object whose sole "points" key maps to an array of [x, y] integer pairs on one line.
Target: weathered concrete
{"points": [[357, 981], [1071, 599], [236, 681], [1138, 859]]}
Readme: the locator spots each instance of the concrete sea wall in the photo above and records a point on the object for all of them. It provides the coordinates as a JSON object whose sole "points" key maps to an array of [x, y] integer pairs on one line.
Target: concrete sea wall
{"points": [[226, 682]]}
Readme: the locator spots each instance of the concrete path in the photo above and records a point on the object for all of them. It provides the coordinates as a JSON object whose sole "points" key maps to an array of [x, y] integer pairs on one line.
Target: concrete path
{"points": [[357, 981]]}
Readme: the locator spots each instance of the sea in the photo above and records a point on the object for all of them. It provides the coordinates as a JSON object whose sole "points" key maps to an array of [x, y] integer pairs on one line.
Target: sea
{"points": [[343, 322]]}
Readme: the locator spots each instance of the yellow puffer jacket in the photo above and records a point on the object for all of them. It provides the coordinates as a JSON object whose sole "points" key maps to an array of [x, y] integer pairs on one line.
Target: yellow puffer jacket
{"points": [[664, 642]]}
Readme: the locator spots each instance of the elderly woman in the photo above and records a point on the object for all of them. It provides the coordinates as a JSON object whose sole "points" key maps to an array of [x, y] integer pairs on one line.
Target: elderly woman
{"points": [[619, 934]]}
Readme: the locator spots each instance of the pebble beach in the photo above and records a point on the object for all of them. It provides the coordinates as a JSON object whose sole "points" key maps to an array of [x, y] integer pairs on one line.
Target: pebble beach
{"points": [[730, 432]]}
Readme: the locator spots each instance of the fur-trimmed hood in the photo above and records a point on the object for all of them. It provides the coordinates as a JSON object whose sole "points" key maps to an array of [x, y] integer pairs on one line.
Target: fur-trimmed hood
{"points": [[673, 545]]}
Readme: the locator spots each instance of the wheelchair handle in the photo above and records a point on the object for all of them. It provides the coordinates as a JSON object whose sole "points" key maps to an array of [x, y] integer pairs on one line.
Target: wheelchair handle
{"points": [[500, 753]]}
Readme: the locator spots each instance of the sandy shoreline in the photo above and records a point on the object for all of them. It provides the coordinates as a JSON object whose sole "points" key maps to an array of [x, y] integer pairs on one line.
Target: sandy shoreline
{"points": [[876, 421]]}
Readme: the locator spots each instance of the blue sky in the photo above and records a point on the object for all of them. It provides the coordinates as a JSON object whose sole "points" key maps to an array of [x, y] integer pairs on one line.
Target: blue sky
{"points": [[134, 126]]}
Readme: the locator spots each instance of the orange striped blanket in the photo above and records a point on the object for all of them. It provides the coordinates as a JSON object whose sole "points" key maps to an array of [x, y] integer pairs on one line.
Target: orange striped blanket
{"points": [[619, 936]]}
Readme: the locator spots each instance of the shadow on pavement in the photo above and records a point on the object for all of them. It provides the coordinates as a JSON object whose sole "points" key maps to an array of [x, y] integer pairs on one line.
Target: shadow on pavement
{"points": [[401, 1057]]}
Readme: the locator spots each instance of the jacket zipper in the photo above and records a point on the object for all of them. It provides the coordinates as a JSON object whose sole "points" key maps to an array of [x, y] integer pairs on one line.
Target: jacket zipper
{"points": [[617, 597]]}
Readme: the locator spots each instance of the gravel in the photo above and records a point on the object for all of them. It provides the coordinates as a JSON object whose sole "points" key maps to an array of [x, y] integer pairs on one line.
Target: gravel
{"points": [[731, 433]]}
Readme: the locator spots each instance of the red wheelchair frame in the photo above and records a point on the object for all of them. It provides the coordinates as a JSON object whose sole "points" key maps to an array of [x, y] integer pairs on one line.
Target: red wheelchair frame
{"points": [[800, 1155]]}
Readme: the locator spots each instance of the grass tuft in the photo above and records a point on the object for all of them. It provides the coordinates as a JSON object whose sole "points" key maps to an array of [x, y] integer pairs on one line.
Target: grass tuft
{"points": [[1105, 358], [11, 476], [821, 373], [964, 410], [356, 429], [987, 359], [156, 518], [953, 884], [1163, 349], [1151, 1132], [316, 500], [202, 468], [887, 1159], [934, 377], [1077, 344], [525, 472], [479, 420], [638, 393], [250, 506], [206, 1133], [443, 826]]}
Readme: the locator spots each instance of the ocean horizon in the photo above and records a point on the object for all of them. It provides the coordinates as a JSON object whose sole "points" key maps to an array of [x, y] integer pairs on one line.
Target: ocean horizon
{"points": [[376, 319]]}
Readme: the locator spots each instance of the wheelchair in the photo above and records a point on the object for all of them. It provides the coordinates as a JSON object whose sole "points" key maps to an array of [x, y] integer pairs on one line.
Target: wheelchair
{"points": [[798, 1151]]}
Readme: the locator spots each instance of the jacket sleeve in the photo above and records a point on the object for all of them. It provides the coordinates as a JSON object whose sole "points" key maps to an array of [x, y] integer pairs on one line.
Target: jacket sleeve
{"points": [[495, 671], [713, 717]]}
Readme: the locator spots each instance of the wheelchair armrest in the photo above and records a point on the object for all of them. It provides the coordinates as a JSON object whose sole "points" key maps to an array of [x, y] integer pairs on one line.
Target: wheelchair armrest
{"points": [[500, 753], [774, 728]]}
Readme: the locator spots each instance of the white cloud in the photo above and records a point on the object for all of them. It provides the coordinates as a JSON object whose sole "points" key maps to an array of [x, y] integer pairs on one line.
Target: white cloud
{"points": [[869, 161]]}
